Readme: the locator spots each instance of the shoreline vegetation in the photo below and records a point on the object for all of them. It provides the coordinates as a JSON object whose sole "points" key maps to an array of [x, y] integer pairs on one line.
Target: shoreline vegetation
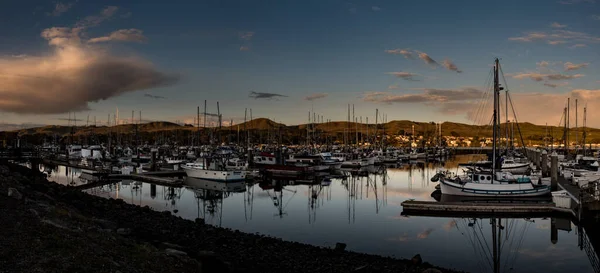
{"points": [[49, 227], [262, 130]]}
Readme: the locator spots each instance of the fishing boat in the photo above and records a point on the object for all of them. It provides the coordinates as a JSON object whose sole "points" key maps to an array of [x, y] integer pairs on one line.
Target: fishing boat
{"points": [[496, 183], [212, 169]]}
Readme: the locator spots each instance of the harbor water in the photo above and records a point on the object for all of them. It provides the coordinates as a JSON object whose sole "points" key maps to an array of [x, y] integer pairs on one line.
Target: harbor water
{"points": [[364, 211]]}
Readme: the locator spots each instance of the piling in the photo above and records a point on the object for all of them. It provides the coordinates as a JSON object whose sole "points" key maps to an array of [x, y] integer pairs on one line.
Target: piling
{"points": [[152, 191], [153, 166], [250, 157], [554, 170], [553, 231], [544, 163], [536, 158]]}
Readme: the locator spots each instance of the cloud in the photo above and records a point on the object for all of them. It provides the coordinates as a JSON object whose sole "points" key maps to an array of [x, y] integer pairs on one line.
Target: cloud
{"points": [[557, 36], [542, 64], [404, 52], [404, 75], [263, 95], [578, 45], [126, 15], [315, 96], [375, 8], [72, 75], [451, 66], [121, 35], [60, 8], [394, 86], [571, 66], [428, 60], [246, 35], [153, 96], [425, 233], [557, 25], [554, 85], [428, 95], [94, 20], [244, 48], [538, 77], [557, 42]]}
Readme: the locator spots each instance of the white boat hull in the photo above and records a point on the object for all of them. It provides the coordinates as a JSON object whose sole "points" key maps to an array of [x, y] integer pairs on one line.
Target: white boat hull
{"points": [[492, 190], [225, 176]]}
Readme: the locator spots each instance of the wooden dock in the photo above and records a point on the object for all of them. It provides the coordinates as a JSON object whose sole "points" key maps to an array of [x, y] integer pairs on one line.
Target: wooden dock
{"points": [[471, 209], [572, 190]]}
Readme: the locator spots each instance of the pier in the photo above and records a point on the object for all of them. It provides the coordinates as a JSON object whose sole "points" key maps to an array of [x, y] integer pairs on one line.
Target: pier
{"points": [[470, 209]]}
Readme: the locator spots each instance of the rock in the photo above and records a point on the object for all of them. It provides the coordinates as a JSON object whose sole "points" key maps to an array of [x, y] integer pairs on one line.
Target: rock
{"points": [[14, 193], [199, 221], [123, 231], [171, 246], [35, 213], [431, 270], [361, 268], [211, 262], [175, 252], [340, 246], [175, 211], [416, 260]]}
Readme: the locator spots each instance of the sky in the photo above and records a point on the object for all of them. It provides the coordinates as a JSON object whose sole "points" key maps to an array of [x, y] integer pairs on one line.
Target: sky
{"points": [[411, 60]]}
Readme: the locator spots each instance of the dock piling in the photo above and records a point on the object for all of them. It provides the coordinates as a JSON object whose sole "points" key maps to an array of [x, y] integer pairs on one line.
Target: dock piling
{"points": [[554, 170], [544, 163], [536, 158]]}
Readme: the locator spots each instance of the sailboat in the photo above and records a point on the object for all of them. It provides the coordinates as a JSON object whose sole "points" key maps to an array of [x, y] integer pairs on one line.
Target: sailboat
{"points": [[494, 182]]}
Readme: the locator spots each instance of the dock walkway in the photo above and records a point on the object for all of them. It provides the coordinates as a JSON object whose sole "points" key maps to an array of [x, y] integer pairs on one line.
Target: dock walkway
{"points": [[571, 189], [467, 209]]}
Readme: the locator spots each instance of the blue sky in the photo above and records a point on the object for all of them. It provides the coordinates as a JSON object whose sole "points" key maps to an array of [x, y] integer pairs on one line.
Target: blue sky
{"points": [[335, 50]]}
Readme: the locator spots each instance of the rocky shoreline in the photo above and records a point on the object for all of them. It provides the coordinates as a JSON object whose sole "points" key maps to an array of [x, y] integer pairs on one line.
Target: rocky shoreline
{"points": [[48, 227]]}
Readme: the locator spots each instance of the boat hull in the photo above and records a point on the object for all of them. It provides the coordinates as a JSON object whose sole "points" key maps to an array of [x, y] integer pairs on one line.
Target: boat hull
{"points": [[224, 176], [493, 190]]}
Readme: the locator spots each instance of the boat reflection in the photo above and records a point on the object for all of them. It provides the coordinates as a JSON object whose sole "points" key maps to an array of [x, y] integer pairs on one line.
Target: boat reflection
{"points": [[209, 197]]}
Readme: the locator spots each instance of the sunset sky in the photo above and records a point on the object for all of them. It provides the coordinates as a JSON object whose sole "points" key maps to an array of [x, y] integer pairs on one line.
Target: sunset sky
{"points": [[416, 60]]}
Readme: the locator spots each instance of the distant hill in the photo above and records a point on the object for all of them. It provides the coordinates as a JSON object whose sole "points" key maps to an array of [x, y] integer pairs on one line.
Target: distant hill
{"points": [[529, 131]]}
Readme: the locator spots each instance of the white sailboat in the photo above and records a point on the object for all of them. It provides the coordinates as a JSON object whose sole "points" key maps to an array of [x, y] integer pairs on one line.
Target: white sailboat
{"points": [[495, 183]]}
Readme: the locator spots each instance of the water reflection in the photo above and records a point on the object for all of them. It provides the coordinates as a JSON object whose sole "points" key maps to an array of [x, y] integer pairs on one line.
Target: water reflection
{"points": [[362, 208]]}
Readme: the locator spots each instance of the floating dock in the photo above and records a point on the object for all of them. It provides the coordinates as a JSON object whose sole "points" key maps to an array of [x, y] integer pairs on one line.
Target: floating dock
{"points": [[470, 209]]}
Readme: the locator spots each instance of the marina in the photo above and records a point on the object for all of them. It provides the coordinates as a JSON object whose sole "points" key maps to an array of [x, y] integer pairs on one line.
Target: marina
{"points": [[329, 210]]}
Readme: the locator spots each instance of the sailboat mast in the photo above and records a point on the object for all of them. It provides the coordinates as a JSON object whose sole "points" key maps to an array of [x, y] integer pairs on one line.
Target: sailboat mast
{"points": [[495, 119], [576, 131], [506, 114]]}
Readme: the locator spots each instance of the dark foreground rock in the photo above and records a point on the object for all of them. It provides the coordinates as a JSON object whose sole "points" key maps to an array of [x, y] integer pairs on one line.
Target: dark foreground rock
{"points": [[48, 227]]}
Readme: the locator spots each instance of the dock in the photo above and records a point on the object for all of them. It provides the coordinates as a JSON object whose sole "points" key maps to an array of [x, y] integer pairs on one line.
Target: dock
{"points": [[470, 209], [573, 191]]}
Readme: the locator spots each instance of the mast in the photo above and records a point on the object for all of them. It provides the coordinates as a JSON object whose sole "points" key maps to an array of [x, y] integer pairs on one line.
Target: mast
{"points": [[576, 131], [584, 124], [565, 131], [506, 113], [568, 124], [495, 118]]}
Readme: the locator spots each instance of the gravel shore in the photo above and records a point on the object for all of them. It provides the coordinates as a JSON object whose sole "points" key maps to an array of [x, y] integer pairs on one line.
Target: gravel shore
{"points": [[48, 227]]}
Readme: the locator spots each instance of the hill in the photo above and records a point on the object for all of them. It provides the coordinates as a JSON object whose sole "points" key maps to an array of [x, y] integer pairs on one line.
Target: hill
{"points": [[529, 131]]}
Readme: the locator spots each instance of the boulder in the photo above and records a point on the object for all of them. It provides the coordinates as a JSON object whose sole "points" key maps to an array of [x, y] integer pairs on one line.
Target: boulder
{"points": [[14, 193]]}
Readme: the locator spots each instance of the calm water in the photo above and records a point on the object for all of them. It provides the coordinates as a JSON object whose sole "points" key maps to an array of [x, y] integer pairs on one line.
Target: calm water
{"points": [[365, 213]]}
